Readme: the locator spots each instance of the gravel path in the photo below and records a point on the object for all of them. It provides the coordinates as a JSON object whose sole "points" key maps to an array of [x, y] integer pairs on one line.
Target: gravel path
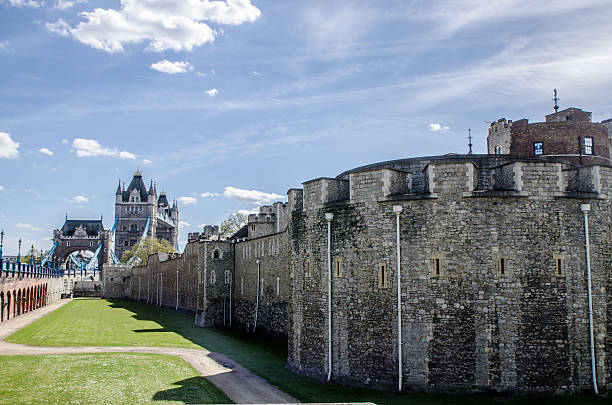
{"points": [[238, 383]]}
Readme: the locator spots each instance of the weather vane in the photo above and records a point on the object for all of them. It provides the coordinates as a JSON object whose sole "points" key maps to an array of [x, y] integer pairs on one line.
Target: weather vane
{"points": [[556, 100], [470, 141]]}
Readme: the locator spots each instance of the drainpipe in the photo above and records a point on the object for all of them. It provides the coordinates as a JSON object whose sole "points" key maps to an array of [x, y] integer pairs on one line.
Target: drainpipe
{"points": [[585, 208], [230, 298], [397, 209], [257, 299], [329, 216], [176, 308], [161, 289]]}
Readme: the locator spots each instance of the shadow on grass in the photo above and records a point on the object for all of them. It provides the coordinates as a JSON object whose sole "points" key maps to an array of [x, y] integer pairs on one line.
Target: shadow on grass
{"points": [[266, 357], [189, 391], [152, 330]]}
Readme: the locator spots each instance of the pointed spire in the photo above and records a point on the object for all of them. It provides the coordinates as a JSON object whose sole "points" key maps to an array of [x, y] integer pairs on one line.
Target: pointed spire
{"points": [[118, 188], [151, 188]]}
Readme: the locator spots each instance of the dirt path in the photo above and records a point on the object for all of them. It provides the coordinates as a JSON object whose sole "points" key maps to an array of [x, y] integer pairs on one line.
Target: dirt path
{"points": [[238, 383]]}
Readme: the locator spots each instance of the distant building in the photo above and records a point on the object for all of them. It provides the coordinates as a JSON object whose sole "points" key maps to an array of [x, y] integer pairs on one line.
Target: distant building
{"points": [[135, 206], [568, 135]]}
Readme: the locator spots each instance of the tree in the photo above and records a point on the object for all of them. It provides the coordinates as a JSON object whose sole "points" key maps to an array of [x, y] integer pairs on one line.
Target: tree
{"points": [[33, 253], [231, 225], [149, 247]]}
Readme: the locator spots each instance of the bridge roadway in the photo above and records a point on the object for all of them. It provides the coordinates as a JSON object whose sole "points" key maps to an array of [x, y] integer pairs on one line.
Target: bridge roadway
{"points": [[238, 383]]}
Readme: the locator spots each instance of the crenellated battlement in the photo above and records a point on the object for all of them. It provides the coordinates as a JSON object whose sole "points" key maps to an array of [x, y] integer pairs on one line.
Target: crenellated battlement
{"points": [[456, 178]]}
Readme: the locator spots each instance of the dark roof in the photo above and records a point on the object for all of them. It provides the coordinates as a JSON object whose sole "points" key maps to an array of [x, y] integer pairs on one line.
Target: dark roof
{"points": [[241, 234], [137, 184], [163, 201], [92, 226]]}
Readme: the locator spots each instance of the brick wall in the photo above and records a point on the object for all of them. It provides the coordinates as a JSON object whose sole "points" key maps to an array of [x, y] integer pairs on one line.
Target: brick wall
{"points": [[561, 139]]}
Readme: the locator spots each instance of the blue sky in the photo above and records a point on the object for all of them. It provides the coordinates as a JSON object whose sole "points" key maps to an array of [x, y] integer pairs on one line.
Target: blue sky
{"points": [[228, 104]]}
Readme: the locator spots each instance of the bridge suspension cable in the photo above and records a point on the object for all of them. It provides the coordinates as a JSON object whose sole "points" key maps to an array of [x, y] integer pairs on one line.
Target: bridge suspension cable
{"points": [[141, 241]]}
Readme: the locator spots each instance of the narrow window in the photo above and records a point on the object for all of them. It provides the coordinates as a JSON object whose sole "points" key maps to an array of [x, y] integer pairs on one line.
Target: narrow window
{"points": [[277, 285], [241, 286], [307, 269], [588, 145], [213, 277], [437, 269], [383, 276], [538, 148], [559, 265], [337, 267], [262, 286], [216, 254], [502, 266], [498, 150], [227, 276], [67, 243]]}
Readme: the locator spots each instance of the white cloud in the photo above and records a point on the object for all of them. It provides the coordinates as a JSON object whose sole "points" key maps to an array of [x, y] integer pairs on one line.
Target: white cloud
{"points": [[91, 147], [45, 151], [212, 92], [250, 196], [26, 3], [79, 199], [27, 226], [9, 149], [60, 27], [3, 44], [1, 187], [187, 200], [248, 212], [183, 223], [162, 25], [437, 127], [126, 155], [65, 141], [165, 66], [66, 4], [201, 74], [146, 161], [207, 194]]}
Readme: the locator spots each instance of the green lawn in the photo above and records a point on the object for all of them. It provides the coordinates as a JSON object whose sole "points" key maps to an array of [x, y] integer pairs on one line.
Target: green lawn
{"points": [[89, 322], [109, 378]]}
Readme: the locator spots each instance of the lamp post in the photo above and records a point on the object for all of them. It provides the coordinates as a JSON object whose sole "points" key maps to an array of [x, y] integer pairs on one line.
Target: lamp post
{"points": [[19, 252], [1, 242]]}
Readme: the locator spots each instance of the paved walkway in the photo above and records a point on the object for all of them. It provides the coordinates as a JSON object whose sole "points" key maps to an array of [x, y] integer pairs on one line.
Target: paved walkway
{"points": [[238, 383]]}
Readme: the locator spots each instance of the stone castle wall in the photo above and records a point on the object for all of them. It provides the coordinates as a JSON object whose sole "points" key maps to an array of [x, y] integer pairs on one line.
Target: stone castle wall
{"points": [[493, 284], [466, 326], [263, 305]]}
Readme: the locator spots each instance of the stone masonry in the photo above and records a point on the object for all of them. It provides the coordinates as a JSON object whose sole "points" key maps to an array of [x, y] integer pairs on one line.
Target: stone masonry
{"points": [[493, 279]]}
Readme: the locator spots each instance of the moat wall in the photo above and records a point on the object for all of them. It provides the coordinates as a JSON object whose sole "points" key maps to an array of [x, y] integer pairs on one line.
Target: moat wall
{"points": [[493, 276]]}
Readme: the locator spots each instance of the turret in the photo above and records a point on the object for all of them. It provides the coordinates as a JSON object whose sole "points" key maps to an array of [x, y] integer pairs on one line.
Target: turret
{"points": [[152, 195], [174, 213], [118, 193]]}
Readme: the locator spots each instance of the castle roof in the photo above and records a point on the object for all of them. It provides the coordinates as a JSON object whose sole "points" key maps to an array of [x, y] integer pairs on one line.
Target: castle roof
{"points": [[136, 184], [163, 201], [241, 234], [91, 226]]}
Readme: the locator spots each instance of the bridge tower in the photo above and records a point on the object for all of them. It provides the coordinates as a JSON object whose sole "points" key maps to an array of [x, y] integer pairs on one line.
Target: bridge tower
{"points": [[135, 206]]}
